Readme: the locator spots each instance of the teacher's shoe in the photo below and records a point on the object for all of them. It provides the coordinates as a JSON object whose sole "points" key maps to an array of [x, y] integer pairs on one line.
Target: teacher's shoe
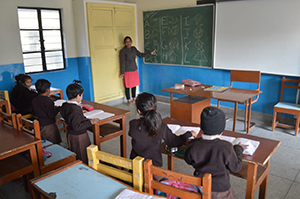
{"points": [[128, 103]]}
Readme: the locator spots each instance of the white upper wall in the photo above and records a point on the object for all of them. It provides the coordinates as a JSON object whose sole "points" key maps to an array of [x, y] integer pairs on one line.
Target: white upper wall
{"points": [[10, 48]]}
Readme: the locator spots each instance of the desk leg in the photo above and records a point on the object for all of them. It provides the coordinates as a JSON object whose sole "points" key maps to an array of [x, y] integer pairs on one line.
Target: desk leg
{"points": [[263, 186], [251, 180], [34, 161], [249, 116], [96, 133], [171, 162], [123, 137], [235, 115]]}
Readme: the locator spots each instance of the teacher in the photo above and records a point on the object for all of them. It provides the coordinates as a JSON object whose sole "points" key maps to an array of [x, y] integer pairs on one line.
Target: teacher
{"points": [[129, 70]]}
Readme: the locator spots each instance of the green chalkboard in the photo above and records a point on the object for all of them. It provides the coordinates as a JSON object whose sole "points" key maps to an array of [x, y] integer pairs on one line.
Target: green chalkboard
{"points": [[182, 36]]}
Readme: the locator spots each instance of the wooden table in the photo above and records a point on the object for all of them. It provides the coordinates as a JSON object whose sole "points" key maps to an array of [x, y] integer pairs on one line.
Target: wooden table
{"points": [[77, 180], [255, 168], [107, 129], [232, 94], [13, 164]]}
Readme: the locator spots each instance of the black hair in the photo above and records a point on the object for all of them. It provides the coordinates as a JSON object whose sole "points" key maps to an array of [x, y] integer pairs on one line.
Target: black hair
{"points": [[18, 78], [24, 78], [77, 81], [127, 37], [42, 85], [146, 104], [73, 90]]}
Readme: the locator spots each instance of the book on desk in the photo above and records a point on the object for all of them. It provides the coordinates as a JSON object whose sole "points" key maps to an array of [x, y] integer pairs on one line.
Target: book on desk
{"points": [[251, 144], [217, 88], [179, 130]]}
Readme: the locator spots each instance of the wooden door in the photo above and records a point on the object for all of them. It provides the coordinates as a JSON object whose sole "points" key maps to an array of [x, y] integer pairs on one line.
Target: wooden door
{"points": [[108, 25]]}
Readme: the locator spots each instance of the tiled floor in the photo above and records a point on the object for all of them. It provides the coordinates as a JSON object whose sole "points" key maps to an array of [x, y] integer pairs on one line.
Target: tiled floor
{"points": [[284, 178]]}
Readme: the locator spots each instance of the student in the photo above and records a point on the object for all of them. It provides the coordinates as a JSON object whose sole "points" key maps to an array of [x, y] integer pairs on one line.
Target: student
{"points": [[43, 107], [77, 124], [22, 95], [209, 154], [129, 69], [149, 130]]}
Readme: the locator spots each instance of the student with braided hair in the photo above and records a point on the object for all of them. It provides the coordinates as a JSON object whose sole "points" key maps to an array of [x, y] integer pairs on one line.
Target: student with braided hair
{"points": [[148, 131]]}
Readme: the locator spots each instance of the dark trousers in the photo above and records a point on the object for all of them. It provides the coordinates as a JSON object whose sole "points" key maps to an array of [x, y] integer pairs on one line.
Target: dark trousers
{"points": [[133, 90]]}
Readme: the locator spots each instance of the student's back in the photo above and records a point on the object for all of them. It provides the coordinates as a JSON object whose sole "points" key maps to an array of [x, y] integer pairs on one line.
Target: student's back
{"points": [[148, 131]]}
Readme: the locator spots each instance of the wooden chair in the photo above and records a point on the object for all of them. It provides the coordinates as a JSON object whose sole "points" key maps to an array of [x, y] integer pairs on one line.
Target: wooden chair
{"points": [[9, 119], [60, 155], [247, 77], [151, 184], [4, 96], [287, 107], [96, 159]]}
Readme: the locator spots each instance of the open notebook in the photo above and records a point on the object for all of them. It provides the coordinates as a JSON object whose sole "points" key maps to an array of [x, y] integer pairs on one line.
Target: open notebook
{"points": [[97, 113], [251, 144], [132, 194], [179, 130]]}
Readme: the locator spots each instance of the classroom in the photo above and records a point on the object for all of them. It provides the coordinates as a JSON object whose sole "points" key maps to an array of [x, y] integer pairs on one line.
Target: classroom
{"points": [[270, 34]]}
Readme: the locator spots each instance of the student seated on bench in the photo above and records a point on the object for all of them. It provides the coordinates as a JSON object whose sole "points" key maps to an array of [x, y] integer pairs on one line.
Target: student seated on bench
{"points": [[209, 154]]}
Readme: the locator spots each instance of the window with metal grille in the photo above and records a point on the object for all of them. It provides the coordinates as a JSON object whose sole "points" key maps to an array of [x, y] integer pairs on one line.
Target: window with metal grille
{"points": [[41, 39]]}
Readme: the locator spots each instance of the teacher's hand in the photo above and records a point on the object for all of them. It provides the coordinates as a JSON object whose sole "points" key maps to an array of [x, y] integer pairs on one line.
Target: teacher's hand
{"points": [[122, 75], [153, 52]]}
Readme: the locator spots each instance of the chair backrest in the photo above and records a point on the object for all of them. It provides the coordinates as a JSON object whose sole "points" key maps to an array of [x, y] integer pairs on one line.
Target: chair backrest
{"points": [[4, 96], [32, 128], [97, 158], [151, 184], [245, 76], [288, 83], [9, 119]]}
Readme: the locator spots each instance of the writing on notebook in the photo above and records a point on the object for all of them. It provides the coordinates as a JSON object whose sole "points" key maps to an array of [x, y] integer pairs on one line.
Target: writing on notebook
{"points": [[179, 130], [251, 144], [97, 113]]}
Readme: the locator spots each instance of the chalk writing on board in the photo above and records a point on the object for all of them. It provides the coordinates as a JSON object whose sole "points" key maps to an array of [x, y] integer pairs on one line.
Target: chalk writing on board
{"points": [[180, 36]]}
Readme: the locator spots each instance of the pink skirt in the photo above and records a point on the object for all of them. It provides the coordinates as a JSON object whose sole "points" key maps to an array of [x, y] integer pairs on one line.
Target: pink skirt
{"points": [[131, 79]]}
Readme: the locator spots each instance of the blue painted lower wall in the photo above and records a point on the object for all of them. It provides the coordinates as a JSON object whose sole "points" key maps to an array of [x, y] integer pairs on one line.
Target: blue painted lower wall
{"points": [[78, 68], [155, 77]]}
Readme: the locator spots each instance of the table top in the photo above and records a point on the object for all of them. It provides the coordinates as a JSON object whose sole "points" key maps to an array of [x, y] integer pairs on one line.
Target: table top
{"points": [[79, 181], [11, 140], [262, 154], [232, 94], [109, 109]]}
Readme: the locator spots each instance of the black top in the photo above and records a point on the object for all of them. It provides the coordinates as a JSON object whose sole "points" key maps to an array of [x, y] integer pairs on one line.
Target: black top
{"points": [[21, 98], [217, 157], [127, 58], [76, 122], [43, 107], [149, 147]]}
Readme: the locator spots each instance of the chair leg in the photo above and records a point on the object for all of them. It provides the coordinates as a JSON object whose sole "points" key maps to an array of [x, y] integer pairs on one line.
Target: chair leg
{"points": [[246, 117], [278, 117], [297, 125], [218, 104], [274, 120]]}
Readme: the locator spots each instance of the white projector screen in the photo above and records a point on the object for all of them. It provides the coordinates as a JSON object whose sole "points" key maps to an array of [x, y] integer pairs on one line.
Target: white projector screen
{"points": [[258, 35]]}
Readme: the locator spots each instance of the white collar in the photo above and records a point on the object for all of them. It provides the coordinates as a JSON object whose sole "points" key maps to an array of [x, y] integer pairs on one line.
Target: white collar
{"points": [[74, 102], [210, 137]]}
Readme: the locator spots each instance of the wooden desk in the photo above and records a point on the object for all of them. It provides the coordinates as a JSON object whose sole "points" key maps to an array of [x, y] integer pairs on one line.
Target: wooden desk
{"points": [[13, 164], [255, 168], [109, 130], [232, 94], [76, 180]]}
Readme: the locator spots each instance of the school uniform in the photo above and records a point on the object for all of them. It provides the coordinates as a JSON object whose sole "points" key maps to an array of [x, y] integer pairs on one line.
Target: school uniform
{"points": [[77, 125], [129, 67], [150, 147], [217, 157], [43, 107], [21, 98]]}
